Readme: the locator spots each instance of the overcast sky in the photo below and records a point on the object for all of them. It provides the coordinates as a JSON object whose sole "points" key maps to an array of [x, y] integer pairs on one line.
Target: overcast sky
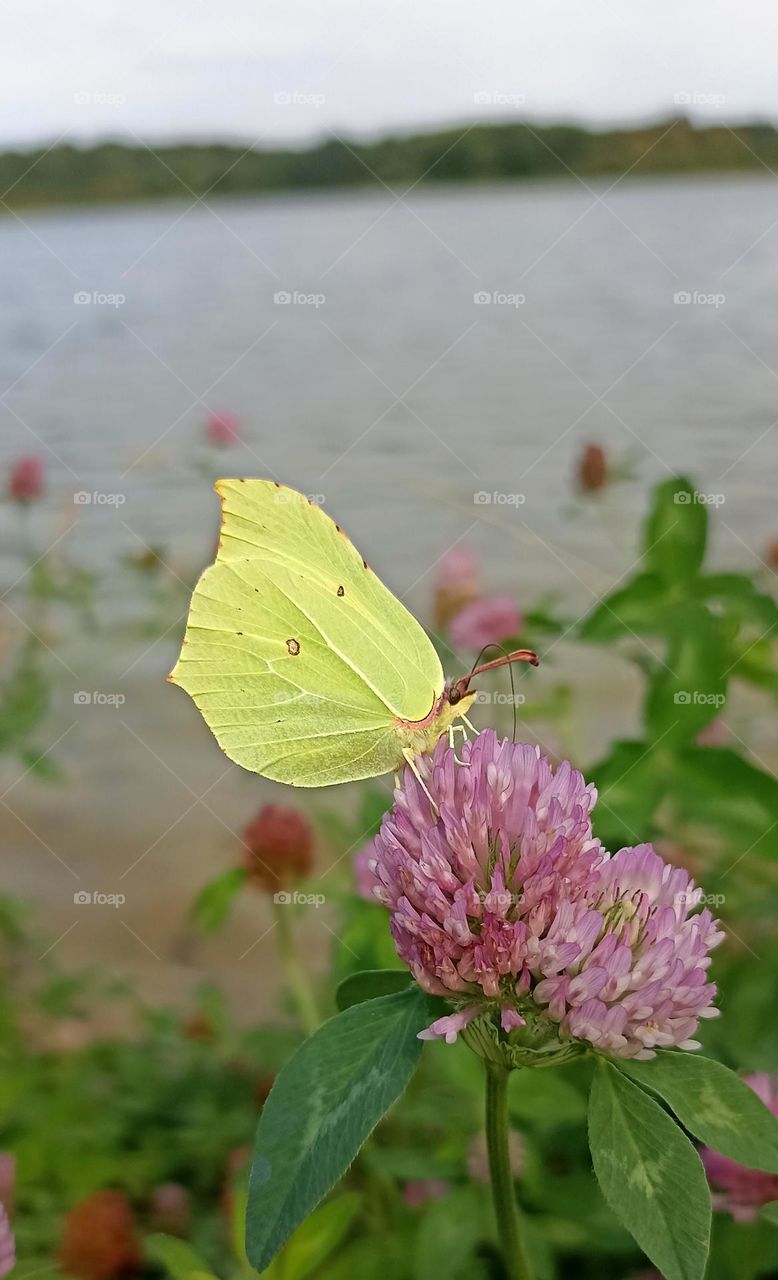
{"points": [[289, 70]]}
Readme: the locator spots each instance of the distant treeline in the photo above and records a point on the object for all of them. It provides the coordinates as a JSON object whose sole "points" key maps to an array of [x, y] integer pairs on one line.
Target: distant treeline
{"points": [[487, 152]]}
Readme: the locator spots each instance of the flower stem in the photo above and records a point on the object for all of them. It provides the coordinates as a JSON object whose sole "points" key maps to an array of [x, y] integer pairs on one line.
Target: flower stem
{"points": [[516, 1263], [295, 972]]}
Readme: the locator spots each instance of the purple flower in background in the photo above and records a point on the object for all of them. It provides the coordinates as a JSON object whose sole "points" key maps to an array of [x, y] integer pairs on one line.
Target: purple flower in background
{"points": [[486, 621], [736, 1189], [7, 1244], [503, 900], [421, 1192], [715, 734], [456, 568], [457, 583], [222, 427], [25, 482]]}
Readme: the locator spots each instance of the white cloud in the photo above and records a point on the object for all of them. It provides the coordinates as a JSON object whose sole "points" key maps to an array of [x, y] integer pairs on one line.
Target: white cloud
{"points": [[192, 69]]}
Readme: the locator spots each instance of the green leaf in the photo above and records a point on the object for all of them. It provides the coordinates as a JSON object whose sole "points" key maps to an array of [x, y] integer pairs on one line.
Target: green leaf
{"points": [[714, 1104], [738, 595], [369, 984], [367, 943], [650, 1175], [212, 905], [634, 609], [770, 1212], [676, 532], [315, 1239], [716, 787], [24, 700], [325, 1102], [544, 1100], [42, 765], [755, 662], [629, 784], [371, 811], [689, 689], [177, 1257], [449, 1233]]}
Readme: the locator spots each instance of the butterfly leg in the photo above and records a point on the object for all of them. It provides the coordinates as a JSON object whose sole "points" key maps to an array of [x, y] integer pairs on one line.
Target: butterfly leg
{"points": [[453, 729], [411, 761]]}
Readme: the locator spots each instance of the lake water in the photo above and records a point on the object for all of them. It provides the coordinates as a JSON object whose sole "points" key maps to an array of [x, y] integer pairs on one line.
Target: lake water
{"points": [[461, 342]]}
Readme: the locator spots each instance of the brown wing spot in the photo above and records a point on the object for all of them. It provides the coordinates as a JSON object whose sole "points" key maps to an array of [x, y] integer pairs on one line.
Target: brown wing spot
{"points": [[277, 485], [293, 646], [365, 565], [341, 591]]}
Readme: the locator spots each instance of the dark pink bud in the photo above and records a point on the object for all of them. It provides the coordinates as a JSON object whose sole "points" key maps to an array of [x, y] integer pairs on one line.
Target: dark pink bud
{"points": [[25, 482]]}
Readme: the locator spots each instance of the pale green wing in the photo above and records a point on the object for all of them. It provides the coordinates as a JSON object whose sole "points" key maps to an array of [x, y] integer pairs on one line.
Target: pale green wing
{"points": [[297, 655]]}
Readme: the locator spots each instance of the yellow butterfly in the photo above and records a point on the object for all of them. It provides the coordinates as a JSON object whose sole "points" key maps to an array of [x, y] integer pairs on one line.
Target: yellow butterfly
{"points": [[304, 665]]}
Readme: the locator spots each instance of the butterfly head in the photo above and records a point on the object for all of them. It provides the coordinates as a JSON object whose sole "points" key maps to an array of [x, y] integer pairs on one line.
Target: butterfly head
{"points": [[457, 690]]}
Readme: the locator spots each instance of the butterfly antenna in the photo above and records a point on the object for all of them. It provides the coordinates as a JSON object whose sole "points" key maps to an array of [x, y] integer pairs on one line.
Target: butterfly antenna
{"points": [[460, 687], [506, 653]]}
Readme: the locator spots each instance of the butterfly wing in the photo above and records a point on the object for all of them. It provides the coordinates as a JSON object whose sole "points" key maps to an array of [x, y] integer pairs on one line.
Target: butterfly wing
{"points": [[299, 658]]}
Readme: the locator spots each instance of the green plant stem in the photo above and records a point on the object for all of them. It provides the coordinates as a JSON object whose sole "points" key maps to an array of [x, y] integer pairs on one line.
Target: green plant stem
{"points": [[294, 970], [516, 1262]]}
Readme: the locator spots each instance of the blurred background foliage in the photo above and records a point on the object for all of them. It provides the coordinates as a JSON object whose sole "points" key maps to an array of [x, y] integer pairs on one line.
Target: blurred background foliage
{"points": [[489, 152]]}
